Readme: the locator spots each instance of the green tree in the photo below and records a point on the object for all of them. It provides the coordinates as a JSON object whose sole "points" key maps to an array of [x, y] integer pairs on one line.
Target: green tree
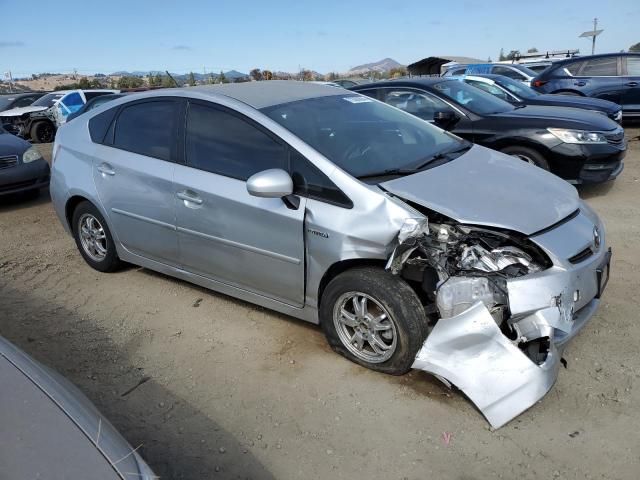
{"points": [[501, 57], [192, 80], [397, 72], [635, 48], [84, 83], [222, 78], [167, 82], [267, 74], [513, 55], [532, 50], [130, 82], [256, 74]]}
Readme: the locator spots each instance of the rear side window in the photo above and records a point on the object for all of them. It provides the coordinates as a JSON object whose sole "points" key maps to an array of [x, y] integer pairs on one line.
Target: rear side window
{"points": [[574, 68], [223, 143], [99, 125], [633, 66], [600, 67], [310, 182], [508, 72], [148, 128]]}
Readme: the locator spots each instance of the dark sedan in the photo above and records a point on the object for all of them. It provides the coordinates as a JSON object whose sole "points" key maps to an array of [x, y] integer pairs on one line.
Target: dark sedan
{"points": [[579, 146], [517, 93], [611, 76], [17, 100], [22, 168]]}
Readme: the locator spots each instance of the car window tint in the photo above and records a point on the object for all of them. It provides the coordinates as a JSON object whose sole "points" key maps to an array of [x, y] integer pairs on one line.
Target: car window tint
{"points": [[148, 128], [421, 105], [23, 102], [222, 143], [492, 89], [458, 71], [633, 66], [573, 68], [508, 72], [310, 182], [606, 67], [90, 95]]}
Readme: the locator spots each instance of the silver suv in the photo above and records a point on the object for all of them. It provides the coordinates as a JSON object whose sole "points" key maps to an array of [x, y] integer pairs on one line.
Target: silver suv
{"points": [[409, 246]]}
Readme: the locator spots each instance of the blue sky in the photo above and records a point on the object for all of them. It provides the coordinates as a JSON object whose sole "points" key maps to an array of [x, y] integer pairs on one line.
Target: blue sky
{"points": [[323, 35]]}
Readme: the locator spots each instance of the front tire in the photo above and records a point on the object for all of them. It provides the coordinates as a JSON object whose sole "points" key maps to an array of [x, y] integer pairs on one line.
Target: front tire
{"points": [[528, 155], [42, 132], [374, 319], [94, 239]]}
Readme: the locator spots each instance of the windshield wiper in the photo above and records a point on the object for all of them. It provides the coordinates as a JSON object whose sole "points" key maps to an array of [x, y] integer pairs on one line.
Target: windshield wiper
{"points": [[447, 155]]}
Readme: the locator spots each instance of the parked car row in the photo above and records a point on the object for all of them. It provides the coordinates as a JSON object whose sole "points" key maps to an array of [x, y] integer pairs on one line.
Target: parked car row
{"points": [[39, 121], [613, 76]]}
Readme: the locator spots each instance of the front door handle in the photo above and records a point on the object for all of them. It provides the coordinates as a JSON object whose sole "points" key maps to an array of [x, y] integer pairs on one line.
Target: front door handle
{"points": [[106, 169], [580, 84], [632, 84], [189, 197]]}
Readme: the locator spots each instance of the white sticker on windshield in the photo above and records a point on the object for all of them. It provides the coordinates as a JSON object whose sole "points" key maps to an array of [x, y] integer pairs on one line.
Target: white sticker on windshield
{"points": [[357, 99]]}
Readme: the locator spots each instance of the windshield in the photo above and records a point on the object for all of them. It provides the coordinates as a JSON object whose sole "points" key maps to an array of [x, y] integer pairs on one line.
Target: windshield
{"points": [[519, 88], [479, 102], [362, 136], [48, 100]]}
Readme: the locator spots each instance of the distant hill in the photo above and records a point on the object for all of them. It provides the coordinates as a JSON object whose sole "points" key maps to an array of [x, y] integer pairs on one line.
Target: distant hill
{"points": [[181, 77], [383, 65]]}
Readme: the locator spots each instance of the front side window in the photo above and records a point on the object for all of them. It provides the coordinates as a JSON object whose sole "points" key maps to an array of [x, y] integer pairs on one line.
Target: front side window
{"points": [[508, 72], [518, 88], [422, 105], [600, 67], [310, 182], [148, 128], [487, 87], [223, 143], [24, 102], [362, 136], [479, 102]]}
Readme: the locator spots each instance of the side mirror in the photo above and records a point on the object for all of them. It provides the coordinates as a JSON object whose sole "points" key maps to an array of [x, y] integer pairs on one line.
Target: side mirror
{"points": [[272, 183], [445, 119]]}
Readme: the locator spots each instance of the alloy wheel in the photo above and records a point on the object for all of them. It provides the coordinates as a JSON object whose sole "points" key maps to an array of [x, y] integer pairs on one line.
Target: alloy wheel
{"points": [[365, 327], [92, 237]]}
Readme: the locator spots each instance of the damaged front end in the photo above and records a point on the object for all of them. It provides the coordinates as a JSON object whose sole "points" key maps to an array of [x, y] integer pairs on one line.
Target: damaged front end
{"points": [[500, 311]]}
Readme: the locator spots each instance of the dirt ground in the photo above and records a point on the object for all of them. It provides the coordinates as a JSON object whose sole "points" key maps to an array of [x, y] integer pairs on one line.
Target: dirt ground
{"points": [[235, 391]]}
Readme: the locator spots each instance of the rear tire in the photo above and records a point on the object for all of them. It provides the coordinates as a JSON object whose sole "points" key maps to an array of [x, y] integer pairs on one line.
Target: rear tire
{"points": [[42, 131], [383, 328], [93, 238], [528, 155]]}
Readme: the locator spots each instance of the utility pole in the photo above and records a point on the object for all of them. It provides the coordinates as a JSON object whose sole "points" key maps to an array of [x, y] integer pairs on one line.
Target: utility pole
{"points": [[593, 34], [10, 77]]}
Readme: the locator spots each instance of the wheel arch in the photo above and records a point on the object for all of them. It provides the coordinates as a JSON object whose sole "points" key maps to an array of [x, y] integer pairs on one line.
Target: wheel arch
{"points": [[569, 91], [342, 266]]}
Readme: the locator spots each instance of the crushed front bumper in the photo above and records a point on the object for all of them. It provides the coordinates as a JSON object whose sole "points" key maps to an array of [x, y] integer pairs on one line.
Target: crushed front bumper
{"points": [[471, 351]]}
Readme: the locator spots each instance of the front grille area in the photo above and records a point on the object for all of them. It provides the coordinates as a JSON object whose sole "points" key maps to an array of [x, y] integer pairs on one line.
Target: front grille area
{"points": [[8, 161], [581, 256]]}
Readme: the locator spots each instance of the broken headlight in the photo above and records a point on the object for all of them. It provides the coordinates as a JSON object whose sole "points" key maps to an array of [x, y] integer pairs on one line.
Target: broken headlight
{"points": [[500, 259]]}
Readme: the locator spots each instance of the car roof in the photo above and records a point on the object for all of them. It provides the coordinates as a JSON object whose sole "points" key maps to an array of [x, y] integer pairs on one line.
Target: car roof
{"points": [[566, 61], [267, 93], [419, 82]]}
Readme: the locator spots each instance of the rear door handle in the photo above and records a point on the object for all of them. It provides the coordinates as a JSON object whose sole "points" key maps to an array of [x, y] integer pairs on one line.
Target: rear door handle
{"points": [[580, 84], [106, 169], [189, 197], [632, 84]]}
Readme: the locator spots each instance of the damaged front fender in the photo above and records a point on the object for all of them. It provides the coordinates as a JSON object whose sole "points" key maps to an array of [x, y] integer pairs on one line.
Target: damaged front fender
{"points": [[470, 351]]}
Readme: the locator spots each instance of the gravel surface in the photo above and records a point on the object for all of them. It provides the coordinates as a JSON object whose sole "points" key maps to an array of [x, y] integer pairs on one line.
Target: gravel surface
{"points": [[213, 387]]}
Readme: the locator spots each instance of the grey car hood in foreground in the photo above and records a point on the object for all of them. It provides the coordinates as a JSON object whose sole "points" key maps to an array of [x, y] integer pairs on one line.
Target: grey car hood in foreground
{"points": [[48, 429], [485, 187]]}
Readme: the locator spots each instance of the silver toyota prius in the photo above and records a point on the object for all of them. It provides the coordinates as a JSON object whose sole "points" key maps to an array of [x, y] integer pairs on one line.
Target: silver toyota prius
{"points": [[411, 247]]}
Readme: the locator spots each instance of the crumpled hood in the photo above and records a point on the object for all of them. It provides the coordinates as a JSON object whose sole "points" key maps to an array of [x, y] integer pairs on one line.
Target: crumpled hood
{"points": [[16, 112], [485, 187]]}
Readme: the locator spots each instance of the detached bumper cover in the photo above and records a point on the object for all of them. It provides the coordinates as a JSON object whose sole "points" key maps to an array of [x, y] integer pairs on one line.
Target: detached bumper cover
{"points": [[471, 352]]}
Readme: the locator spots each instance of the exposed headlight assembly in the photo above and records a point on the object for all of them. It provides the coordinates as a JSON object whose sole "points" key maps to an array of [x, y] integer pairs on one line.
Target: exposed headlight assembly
{"points": [[31, 155], [582, 137]]}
